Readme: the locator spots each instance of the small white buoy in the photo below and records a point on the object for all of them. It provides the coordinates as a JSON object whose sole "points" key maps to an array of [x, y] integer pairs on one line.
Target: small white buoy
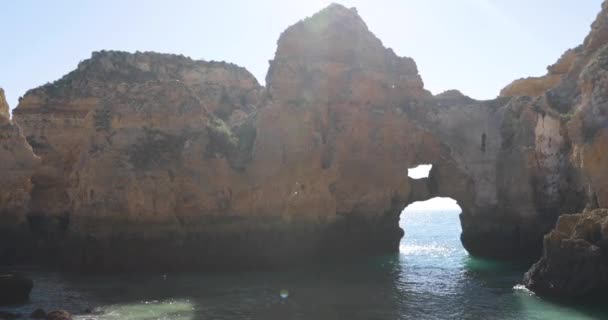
{"points": [[284, 294]]}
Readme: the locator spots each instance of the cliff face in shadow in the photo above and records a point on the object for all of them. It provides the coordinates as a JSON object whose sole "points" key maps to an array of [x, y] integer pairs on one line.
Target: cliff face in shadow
{"points": [[575, 258], [17, 160], [159, 161]]}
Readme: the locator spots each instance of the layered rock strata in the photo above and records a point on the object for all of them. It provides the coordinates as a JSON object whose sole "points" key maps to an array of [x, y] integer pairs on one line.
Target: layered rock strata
{"points": [[17, 161], [575, 259]]}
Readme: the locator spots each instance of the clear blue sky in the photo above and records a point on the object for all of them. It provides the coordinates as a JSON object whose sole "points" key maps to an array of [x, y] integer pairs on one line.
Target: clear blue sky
{"points": [[476, 46]]}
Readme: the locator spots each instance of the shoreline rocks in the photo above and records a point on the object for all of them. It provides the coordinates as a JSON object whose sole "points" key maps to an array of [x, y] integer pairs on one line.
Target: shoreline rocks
{"points": [[575, 259], [58, 315], [38, 314]]}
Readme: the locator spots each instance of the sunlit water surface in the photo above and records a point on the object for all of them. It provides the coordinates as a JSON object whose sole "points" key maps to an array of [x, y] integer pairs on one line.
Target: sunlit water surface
{"points": [[431, 278]]}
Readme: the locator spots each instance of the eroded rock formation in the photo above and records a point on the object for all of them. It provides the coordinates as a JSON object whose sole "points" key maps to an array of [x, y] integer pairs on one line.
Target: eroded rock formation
{"points": [[575, 259], [164, 162], [537, 86], [17, 161]]}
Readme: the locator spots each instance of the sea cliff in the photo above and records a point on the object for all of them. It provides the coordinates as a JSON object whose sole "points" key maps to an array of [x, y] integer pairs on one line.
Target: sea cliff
{"points": [[158, 161]]}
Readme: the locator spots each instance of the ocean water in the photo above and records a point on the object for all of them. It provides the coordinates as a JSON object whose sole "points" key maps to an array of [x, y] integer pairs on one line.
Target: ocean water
{"points": [[431, 278]]}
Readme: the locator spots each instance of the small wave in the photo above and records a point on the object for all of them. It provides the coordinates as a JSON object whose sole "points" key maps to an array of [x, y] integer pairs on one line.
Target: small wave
{"points": [[522, 288], [432, 249]]}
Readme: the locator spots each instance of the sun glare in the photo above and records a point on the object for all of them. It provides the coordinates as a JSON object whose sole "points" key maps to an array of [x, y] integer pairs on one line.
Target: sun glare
{"points": [[419, 172]]}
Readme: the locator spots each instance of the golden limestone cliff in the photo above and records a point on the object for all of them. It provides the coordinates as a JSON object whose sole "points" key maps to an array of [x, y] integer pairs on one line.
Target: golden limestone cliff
{"points": [[17, 161], [575, 255], [160, 161], [574, 258]]}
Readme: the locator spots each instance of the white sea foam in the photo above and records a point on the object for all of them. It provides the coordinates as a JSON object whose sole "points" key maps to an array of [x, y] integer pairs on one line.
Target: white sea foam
{"points": [[522, 288]]}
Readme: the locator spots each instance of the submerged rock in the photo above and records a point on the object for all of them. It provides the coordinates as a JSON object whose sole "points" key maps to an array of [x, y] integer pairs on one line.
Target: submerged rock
{"points": [[38, 314], [14, 288], [59, 315], [9, 315]]}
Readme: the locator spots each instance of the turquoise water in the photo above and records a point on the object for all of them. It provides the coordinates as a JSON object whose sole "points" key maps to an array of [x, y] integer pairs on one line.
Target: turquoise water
{"points": [[431, 278]]}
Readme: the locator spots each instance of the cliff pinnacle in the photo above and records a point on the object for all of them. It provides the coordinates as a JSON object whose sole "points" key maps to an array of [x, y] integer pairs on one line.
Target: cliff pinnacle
{"points": [[4, 109]]}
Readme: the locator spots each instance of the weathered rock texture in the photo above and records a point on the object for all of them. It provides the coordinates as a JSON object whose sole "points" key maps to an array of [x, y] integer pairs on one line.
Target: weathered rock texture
{"points": [[4, 109], [17, 160], [537, 86], [163, 162], [59, 315], [575, 259], [137, 146]]}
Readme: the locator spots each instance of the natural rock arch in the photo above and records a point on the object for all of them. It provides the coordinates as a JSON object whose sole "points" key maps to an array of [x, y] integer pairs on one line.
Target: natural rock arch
{"points": [[198, 160]]}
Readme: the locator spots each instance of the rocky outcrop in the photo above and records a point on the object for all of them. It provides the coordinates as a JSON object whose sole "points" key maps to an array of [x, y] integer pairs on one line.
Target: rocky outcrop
{"points": [[575, 259], [589, 128], [14, 288], [59, 315], [38, 314], [5, 114], [211, 164], [114, 134], [54, 117], [198, 161], [333, 57], [333, 142], [537, 86], [17, 162]]}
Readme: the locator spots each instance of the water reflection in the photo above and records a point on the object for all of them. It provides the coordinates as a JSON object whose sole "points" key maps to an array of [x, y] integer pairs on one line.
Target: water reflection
{"points": [[431, 278]]}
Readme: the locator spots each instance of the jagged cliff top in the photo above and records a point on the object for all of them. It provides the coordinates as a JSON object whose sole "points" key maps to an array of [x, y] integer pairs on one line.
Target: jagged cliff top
{"points": [[4, 109], [336, 48], [337, 33], [599, 30], [121, 66], [107, 71], [568, 66]]}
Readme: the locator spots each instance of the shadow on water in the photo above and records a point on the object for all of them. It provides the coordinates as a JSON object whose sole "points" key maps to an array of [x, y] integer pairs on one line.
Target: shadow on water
{"points": [[335, 291], [388, 287], [503, 280], [431, 278]]}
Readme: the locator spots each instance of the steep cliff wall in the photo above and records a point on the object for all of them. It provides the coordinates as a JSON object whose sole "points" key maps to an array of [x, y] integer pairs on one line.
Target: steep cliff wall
{"points": [[184, 156], [17, 162], [134, 142], [574, 256]]}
